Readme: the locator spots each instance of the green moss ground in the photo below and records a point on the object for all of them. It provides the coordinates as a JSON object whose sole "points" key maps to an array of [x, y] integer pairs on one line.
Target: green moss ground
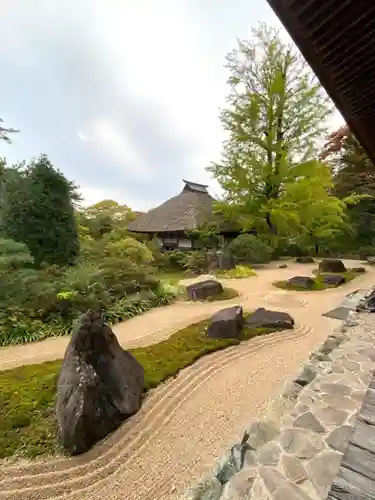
{"points": [[318, 282], [27, 394]]}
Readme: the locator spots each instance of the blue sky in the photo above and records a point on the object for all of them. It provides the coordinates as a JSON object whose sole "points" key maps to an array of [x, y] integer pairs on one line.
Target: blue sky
{"points": [[122, 95]]}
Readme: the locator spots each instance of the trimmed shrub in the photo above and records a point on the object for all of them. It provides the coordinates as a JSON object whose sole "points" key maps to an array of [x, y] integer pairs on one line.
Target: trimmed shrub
{"points": [[247, 248]]}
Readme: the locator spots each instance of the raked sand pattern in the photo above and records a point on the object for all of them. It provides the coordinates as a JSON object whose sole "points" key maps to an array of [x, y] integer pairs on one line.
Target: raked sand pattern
{"points": [[186, 423]]}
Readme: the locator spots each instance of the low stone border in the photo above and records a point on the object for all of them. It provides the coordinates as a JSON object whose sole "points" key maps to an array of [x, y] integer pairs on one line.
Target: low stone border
{"points": [[296, 450]]}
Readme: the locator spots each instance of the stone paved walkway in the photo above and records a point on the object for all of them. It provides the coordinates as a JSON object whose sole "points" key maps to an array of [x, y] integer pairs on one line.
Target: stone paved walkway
{"points": [[186, 423]]}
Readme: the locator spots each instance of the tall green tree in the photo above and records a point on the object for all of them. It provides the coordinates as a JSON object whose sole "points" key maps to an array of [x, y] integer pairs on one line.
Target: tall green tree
{"points": [[39, 212], [276, 110]]}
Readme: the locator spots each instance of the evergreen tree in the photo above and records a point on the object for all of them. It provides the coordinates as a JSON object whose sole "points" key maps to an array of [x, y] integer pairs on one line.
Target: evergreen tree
{"points": [[39, 212]]}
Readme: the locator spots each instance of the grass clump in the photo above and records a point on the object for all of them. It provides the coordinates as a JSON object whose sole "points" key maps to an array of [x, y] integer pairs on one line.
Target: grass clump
{"points": [[238, 272], [318, 281], [27, 393]]}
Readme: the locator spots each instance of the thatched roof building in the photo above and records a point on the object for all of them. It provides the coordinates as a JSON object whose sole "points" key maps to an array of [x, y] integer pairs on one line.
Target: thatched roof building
{"points": [[337, 39], [190, 209]]}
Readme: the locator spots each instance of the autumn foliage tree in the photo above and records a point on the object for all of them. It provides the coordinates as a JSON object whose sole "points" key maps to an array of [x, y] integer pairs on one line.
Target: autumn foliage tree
{"points": [[354, 175], [276, 110]]}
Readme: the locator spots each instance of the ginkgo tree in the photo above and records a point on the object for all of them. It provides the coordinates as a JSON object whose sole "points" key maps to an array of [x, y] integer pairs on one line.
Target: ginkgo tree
{"points": [[276, 110]]}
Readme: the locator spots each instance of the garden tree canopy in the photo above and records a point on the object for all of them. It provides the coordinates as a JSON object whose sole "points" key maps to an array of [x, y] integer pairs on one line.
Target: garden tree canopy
{"points": [[106, 216], [39, 211], [276, 110], [354, 174]]}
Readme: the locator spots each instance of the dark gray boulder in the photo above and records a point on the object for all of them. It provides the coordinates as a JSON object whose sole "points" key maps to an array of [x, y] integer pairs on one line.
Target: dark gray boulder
{"points": [[99, 385], [204, 289], [301, 282], [334, 279], [358, 269], [332, 266], [227, 323], [305, 260], [263, 318]]}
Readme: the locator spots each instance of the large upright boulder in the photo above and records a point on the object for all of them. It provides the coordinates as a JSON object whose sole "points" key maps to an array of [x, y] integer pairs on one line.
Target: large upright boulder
{"points": [[227, 323], [99, 385], [204, 289], [332, 266]]}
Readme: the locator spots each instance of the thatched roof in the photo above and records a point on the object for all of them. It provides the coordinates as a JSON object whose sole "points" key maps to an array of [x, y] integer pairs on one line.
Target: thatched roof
{"points": [[337, 39], [186, 211]]}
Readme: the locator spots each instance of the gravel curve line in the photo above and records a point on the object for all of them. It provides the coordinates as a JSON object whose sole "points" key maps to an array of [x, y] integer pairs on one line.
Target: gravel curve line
{"points": [[131, 438]]}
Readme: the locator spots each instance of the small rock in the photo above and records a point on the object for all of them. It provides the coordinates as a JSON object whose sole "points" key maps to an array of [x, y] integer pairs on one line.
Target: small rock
{"points": [[309, 421], [261, 432], [322, 469], [291, 390], [338, 439], [304, 282], [334, 279], [305, 260], [294, 470], [307, 375], [269, 454], [319, 357], [358, 269], [283, 266], [301, 443], [329, 345], [209, 489]]}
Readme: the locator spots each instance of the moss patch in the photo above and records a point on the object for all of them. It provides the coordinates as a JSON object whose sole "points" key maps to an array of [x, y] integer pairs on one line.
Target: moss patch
{"points": [[226, 294], [318, 282], [27, 394]]}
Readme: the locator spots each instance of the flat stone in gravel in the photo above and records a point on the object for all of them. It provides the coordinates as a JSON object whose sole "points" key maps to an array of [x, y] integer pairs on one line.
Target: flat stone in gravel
{"points": [[338, 439], [309, 421], [321, 469], [301, 443]]}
